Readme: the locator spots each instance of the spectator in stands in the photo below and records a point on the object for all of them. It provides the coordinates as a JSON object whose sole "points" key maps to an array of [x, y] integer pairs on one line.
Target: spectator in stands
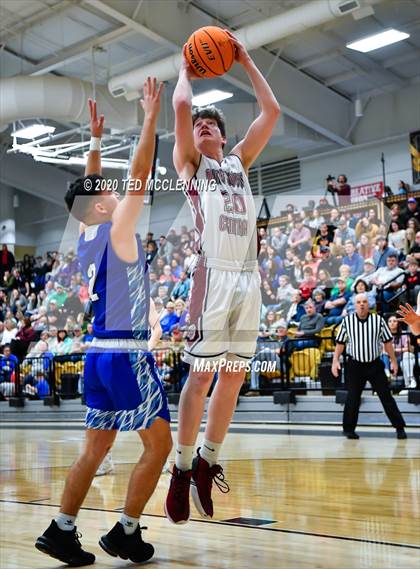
{"points": [[365, 247], [300, 237], [154, 283], [344, 232], [308, 283], [268, 297], [52, 340], [328, 262], [345, 273], [412, 281], [182, 312], [410, 240], [1, 331], [151, 251], [189, 258], [60, 295], [32, 303], [403, 188], [323, 238], [174, 238], [318, 296], [412, 223], [87, 338], [397, 237], [382, 252], [167, 279], [182, 288], [372, 217], [352, 259], [176, 269], [278, 241], [369, 270], [276, 266], [9, 332], [7, 261], [324, 282], [335, 305], [389, 279], [365, 226], [17, 301], [343, 190], [163, 294], [310, 324], [296, 310], [269, 327], [315, 219], [158, 306], [412, 210], [40, 388], [360, 286], [24, 337], [311, 262], [63, 344], [396, 214], [402, 348], [169, 318], [165, 249], [8, 364], [284, 293]]}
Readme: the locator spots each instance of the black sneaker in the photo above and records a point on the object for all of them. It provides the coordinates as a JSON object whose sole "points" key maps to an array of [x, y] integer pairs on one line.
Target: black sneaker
{"points": [[350, 435], [64, 546], [401, 434], [131, 547]]}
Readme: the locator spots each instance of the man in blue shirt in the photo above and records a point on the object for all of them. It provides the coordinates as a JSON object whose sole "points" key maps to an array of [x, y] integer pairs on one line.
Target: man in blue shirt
{"points": [[8, 364], [353, 259], [383, 251]]}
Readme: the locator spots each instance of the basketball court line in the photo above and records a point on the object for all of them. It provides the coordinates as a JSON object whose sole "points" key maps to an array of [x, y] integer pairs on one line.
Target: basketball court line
{"points": [[259, 528], [245, 430], [277, 459]]}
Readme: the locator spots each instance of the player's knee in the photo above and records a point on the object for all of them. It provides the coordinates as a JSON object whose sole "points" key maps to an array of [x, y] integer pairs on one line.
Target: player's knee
{"points": [[200, 381]]}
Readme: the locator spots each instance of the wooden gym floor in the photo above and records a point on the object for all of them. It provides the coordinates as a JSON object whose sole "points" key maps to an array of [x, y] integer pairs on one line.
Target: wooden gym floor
{"points": [[301, 497]]}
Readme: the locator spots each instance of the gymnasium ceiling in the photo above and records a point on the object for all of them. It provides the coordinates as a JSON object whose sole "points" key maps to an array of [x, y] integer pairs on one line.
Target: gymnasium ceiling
{"points": [[308, 71]]}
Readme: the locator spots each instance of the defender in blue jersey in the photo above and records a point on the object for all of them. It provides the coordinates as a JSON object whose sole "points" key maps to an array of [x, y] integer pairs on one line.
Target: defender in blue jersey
{"points": [[123, 391]]}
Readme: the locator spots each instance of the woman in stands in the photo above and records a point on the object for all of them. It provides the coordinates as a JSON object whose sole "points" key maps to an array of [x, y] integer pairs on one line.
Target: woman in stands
{"points": [[365, 247], [403, 351], [397, 237]]}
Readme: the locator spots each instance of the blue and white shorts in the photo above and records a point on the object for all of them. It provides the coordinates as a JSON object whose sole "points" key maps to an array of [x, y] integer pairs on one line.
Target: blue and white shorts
{"points": [[122, 387]]}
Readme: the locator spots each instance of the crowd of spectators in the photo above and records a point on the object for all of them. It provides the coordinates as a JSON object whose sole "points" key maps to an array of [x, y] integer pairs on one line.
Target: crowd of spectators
{"points": [[316, 254]]}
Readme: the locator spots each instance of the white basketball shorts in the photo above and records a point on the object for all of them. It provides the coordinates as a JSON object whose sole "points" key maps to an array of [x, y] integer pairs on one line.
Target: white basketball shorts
{"points": [[224, 315]]}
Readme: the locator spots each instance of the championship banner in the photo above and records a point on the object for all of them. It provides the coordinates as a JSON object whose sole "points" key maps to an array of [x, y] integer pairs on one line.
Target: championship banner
{"points": [[415, 155], [366, 192]]}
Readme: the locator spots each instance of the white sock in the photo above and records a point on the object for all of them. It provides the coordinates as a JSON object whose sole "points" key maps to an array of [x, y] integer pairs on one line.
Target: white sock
{"points": [[210, 451], [184, 456], [129, 524], [65, 522]]}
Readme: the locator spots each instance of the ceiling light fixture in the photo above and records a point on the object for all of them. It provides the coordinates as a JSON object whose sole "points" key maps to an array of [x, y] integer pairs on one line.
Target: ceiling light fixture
{"points": [[210, 97], [376, 41]]}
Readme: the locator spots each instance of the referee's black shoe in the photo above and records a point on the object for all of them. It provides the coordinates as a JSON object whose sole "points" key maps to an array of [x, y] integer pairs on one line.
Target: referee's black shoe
{"points": [[64, 546], [401, 434], [131, 547], [350, 434]]}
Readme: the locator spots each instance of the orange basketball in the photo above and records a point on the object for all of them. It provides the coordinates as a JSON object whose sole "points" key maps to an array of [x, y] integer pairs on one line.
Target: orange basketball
{"points": [[210, 52]]}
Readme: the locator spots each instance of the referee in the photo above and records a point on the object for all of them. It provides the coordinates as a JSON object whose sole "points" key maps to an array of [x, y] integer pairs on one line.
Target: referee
{"points": [[363, 333]]}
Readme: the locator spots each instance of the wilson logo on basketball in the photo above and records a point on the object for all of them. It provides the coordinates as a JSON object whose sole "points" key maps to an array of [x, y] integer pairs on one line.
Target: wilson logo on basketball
{"points": [[207, 51]]}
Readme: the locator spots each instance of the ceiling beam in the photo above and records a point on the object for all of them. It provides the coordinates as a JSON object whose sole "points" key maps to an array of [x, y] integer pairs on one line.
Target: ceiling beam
{"points": [[319, 59], [77, 50], [414, 55], [39, 16]]}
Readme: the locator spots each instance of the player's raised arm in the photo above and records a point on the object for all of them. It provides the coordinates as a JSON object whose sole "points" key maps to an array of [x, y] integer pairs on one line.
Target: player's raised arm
{"points": [[93, 165], [127, 212], [260, 131], [185, 155]]}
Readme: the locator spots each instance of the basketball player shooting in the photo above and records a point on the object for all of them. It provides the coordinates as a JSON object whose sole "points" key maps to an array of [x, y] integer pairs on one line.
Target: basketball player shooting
{"points": [[225, 297], [123, 391]]}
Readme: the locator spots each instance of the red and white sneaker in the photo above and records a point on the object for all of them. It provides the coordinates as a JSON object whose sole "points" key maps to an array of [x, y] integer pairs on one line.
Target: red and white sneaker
{"points": [[202, 482], [177, 504]]}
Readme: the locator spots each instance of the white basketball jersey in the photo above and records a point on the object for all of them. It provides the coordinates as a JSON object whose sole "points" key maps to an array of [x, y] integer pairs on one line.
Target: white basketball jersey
{"points": [[223, 211]]}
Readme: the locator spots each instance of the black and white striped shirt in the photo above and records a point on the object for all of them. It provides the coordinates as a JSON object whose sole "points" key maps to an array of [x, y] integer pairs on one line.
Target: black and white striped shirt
{"points": [[364, 337]]}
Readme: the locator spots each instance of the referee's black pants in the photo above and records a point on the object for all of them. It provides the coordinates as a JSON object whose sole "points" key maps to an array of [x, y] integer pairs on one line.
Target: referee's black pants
{"points": [[357, 374]]}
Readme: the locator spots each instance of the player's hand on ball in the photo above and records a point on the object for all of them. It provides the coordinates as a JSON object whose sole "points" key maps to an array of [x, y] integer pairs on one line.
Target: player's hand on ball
{"points": [[96, 125], [241, 54], [185, 66], [151, 97]]}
